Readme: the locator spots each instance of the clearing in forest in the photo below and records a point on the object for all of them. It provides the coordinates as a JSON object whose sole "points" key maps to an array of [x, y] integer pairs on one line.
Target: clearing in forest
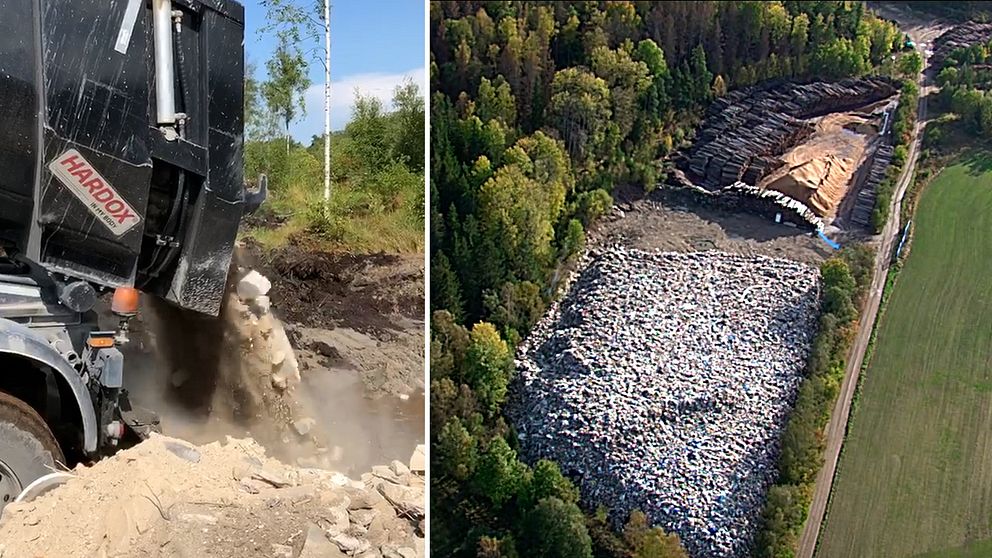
{"points": [[915, 476]]}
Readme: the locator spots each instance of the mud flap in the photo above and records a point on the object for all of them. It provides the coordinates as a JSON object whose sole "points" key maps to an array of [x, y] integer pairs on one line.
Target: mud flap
{"points": [[139, 422]]}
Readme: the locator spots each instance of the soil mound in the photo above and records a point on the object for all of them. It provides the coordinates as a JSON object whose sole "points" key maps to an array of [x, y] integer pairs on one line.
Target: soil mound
{"points": [[165, 497]]}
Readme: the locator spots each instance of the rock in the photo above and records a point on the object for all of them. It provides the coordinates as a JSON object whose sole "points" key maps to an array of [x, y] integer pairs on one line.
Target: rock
{"points": [[363, 517], [303, 426], [389, 551], [265, 325], [377, 535], [316, 545], [370, 553], [686, 367], [407, 501], [282, 551], [335, 498], [359, 499], [182, 451], [253, 285], [297, 494], [383, 472], [418, 461], [262, 305], [349, 543], [279, 382], [338, 520], [325, 349], [398, 468], [269, 477]]}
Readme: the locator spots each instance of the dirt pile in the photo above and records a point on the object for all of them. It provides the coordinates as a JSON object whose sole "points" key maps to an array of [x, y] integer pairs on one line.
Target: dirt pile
{"points": [[364, 292], [746, 131], [818, 172], [167, 498]]}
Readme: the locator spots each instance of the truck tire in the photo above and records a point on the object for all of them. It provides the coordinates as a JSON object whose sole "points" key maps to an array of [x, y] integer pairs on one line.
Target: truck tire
{"points": [[28, 450]]}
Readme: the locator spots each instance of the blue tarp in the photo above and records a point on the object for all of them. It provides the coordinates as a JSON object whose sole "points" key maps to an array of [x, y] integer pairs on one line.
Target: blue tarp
{"points": [[832, 244]]}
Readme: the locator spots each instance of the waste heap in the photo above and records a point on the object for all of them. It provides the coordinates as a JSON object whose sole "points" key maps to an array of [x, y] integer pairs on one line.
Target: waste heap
{"points": [[662, 382], [166, 497]]}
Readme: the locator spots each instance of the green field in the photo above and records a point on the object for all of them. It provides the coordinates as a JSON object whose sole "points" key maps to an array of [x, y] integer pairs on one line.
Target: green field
{"points": [[915, 476]]}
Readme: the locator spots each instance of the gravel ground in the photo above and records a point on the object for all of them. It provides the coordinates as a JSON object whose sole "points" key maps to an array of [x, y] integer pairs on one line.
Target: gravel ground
{"points": [[662, 382]]}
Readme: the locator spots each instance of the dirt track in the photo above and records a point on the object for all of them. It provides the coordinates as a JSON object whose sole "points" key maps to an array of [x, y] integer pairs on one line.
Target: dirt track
{"points": [[837, 426]]}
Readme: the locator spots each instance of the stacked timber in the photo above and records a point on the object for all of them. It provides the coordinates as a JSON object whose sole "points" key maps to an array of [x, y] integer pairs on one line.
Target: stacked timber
{"points": [[865, 203], [959, 36], [746, 131]]}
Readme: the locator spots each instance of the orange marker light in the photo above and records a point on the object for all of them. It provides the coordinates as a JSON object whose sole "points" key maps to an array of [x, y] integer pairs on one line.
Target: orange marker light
{"points": [[125, 301], [100, 342]]}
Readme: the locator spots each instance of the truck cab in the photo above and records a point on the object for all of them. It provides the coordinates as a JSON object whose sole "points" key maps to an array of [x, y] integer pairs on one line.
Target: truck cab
{"points": [[121, 170]]}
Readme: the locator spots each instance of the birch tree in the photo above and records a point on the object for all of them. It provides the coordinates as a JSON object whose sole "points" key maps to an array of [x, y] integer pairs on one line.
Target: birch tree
{"points": [[308, 23]]}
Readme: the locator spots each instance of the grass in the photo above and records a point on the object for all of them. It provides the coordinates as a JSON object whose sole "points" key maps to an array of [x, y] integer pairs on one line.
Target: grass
{"points": [[916, 472], [360, 217]]}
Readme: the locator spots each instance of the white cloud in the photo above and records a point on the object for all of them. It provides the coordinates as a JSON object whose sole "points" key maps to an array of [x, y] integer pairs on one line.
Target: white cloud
{"points": [[378, 85]]}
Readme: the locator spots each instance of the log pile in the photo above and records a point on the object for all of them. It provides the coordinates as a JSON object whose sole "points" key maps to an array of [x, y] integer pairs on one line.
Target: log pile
{"points": [[746, 131], [865, 203], [959, 36], [662, 382]]}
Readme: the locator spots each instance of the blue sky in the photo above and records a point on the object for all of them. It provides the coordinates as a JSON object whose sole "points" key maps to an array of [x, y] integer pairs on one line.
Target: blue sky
{"points": [[374, 45]]}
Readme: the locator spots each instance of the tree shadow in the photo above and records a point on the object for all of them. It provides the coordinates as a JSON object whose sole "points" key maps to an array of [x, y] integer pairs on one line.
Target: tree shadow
{"points": [[978, 162]]}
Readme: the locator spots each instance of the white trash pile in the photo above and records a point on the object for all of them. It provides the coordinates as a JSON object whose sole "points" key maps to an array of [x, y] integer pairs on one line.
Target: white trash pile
{"points": [[662, 382]]}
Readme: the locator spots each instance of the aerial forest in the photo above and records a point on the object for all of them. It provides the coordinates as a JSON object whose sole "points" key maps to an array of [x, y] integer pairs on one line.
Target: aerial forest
{"points": [[540, 112]]}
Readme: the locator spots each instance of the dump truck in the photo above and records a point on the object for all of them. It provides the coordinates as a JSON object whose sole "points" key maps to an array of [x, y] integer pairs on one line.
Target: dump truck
{"points": [[121, 171]]}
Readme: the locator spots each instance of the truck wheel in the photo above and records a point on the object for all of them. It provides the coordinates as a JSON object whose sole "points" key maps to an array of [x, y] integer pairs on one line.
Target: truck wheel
{"points": [[28, 450]]}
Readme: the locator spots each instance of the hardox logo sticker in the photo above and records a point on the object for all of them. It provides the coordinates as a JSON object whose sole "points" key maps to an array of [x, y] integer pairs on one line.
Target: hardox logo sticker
{"points": [[95, 192]]}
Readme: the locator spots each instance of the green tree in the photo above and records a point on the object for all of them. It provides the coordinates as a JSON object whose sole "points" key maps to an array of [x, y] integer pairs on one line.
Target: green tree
{"points": [[457, 451], [546, 482], [445, 290], [910, 64], [839, 58], [580, 111], [650, 542], [556, 529], [369, 129], [499, 475], [496, 102], [287, 83], [408, 135], [488, 366]]}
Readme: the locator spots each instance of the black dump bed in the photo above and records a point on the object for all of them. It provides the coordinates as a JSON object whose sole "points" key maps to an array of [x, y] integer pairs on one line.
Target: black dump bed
{"points": [[91, 186]]}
